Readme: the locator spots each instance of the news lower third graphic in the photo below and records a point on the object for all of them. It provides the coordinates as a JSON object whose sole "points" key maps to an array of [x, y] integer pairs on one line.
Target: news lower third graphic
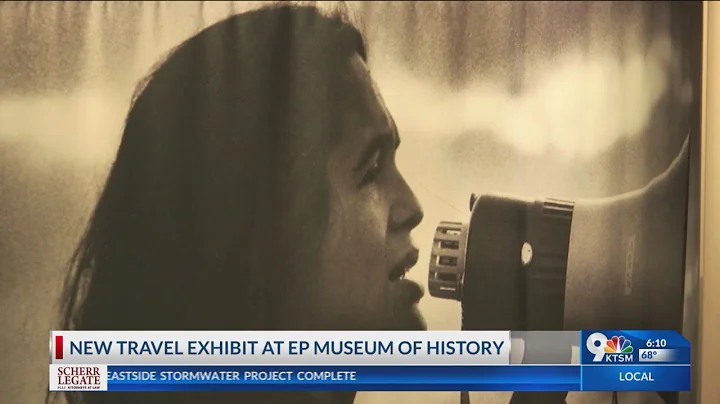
{"points": [[360, 361], [637, 359]]}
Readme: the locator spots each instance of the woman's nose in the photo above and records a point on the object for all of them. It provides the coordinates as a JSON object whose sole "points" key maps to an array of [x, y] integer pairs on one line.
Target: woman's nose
{"points": [[406, 212]]}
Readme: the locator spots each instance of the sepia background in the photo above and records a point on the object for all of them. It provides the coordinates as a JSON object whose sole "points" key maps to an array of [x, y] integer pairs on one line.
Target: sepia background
{"points": [[709, 327], [561, 99]]}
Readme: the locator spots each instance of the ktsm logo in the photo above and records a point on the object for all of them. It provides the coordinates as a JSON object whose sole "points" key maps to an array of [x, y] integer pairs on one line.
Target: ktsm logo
{"points": [[613, 350]]}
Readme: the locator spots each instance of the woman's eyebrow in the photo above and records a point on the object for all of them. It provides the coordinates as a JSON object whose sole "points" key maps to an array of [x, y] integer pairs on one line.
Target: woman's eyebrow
{"points": [[379, 142]]}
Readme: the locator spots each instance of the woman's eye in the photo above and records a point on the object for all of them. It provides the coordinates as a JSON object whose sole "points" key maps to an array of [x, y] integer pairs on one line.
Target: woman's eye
{"points": [[373, 171]]}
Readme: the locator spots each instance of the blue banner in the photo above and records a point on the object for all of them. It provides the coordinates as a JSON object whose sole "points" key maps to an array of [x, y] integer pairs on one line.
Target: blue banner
{"points": [[636, 378], [399, 378], [599, 348]]}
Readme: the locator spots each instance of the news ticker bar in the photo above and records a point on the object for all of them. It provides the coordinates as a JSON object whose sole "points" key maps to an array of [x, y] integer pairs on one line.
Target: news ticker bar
{"points": [[370, 378], [356, 348]]}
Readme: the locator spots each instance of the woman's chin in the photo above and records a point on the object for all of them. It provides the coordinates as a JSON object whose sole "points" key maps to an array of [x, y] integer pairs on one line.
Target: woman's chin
{"points": [[418, 321], [408, 318], [406, 314]]}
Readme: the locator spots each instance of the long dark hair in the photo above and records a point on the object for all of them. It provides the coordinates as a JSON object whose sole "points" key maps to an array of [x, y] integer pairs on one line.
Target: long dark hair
{"points": [[218, 188]]}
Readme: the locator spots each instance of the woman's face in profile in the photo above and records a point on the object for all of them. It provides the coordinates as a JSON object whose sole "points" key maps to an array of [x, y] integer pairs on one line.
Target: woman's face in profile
{"points": [[367, 248]]}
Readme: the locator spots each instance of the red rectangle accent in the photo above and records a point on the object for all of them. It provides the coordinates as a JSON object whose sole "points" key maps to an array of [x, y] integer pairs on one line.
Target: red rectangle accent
{"points": [[58, 347]]}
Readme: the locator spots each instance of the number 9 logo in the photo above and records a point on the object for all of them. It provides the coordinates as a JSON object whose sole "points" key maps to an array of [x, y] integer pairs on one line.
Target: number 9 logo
{"points": [[596, 345]]}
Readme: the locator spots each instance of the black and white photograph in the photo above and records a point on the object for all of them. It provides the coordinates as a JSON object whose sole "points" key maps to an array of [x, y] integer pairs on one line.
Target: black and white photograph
{"points": [[440, 165]]}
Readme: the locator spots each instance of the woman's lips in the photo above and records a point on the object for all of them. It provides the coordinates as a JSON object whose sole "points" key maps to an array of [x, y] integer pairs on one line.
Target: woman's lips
{"points": [[410, 291], [404, 265]]}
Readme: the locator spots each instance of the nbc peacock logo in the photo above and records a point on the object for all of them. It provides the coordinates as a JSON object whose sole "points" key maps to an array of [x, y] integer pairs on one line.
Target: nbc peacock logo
{"points": [[618, 345], [617, 349]]}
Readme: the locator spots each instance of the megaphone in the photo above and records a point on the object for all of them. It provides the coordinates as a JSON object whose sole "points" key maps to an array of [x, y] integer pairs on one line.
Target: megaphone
{"points": [[548, 264]]}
